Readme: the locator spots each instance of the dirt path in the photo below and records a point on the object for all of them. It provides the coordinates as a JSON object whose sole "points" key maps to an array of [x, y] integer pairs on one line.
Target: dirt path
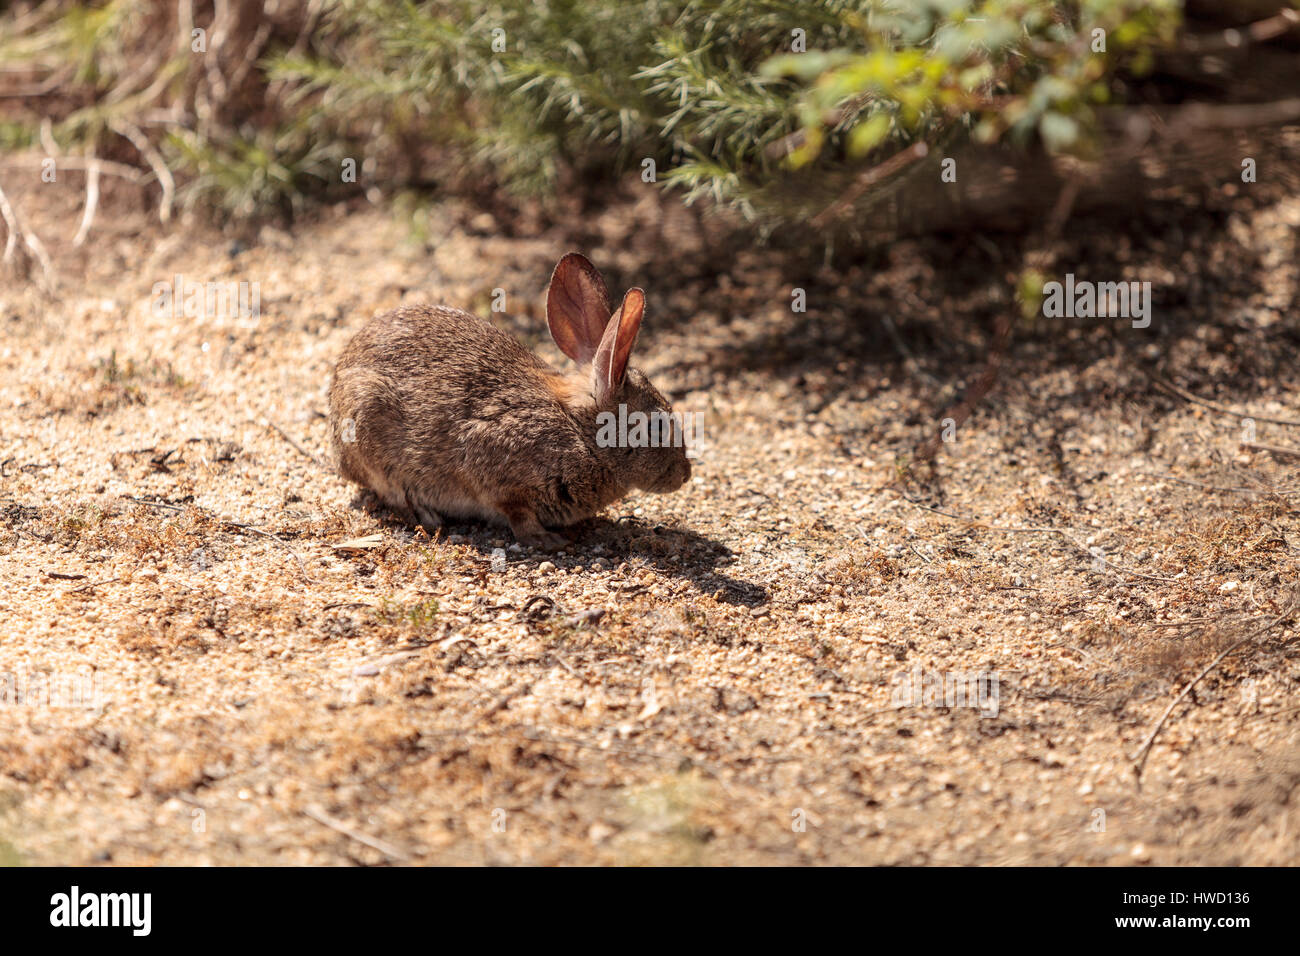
{"points": [[707, 677]]}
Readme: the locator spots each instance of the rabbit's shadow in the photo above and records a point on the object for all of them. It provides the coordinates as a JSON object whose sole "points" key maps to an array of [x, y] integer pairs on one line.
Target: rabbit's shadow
{"points": [[672, 551]]}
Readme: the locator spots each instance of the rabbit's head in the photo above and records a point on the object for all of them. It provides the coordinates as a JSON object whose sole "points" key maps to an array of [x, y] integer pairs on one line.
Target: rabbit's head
{"points": [[636, 433]]}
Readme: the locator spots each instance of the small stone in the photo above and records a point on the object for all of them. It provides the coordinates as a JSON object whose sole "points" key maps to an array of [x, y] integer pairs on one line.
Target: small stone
{"points": [[546, 566]]}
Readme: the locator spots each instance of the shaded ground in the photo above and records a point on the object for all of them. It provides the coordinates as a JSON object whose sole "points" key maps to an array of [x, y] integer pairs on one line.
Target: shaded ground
{"points": [[268, 698]]}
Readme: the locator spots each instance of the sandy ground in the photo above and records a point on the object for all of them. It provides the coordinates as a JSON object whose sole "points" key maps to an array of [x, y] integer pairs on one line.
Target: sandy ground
{"points": [[196, 673]]}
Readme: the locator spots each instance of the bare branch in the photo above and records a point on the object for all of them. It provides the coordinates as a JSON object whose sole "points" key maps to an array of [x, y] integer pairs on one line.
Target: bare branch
{"points": [[869, 178], [156, 163], [92, 203]]}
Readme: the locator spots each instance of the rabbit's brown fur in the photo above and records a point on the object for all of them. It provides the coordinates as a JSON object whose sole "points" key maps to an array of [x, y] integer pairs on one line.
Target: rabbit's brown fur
{"points": [[443, 414]]}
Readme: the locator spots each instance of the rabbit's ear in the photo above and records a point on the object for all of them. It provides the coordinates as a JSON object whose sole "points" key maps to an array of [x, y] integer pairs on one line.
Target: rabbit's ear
{"points": [[616, 346], [577, 307]]}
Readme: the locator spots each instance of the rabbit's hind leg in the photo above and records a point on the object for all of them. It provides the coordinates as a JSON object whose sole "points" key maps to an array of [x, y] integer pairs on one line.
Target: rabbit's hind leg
{"points": [[425, 516], [398, 507], [392, 496]]}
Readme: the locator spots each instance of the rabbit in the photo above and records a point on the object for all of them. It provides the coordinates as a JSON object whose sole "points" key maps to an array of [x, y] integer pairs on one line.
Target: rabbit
{"points": [[443, 415]]}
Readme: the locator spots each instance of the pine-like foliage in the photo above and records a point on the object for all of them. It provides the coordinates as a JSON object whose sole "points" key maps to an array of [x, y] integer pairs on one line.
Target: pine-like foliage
{"points": [[777, 107], [767, 104]]}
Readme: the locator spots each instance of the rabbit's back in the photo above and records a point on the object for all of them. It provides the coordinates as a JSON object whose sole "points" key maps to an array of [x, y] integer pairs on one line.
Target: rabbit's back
{"points": [[436, 399], [467, 354]]}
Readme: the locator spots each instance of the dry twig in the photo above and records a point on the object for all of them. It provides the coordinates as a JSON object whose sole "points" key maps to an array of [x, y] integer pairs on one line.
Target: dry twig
{"points": [[23, 242], [156, 163], [1277, 451], [1215, 406], [230, 524], [92, 203], [1284, 492], [899, 161], [976, 522], [383, 846], [296, 447], [1140, 757]]}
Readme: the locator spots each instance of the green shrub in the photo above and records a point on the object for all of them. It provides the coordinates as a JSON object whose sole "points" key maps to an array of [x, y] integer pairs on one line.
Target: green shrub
{"points": [[537, 94]]}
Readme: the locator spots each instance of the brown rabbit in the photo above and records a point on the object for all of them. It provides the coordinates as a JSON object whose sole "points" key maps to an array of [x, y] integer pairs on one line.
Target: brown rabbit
{"points": [[442, 414]]}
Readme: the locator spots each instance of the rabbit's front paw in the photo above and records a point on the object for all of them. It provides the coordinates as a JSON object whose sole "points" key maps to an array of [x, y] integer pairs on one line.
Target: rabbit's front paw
{"points": [[545, 541], [527, 530]]}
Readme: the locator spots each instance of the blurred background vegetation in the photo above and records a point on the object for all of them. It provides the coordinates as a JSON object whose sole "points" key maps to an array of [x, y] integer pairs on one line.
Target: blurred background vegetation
{"points": [[785, 111]]}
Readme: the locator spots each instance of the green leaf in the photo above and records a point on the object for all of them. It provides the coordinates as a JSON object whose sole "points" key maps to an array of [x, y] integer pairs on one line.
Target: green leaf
{"points": [[866, 136]]}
